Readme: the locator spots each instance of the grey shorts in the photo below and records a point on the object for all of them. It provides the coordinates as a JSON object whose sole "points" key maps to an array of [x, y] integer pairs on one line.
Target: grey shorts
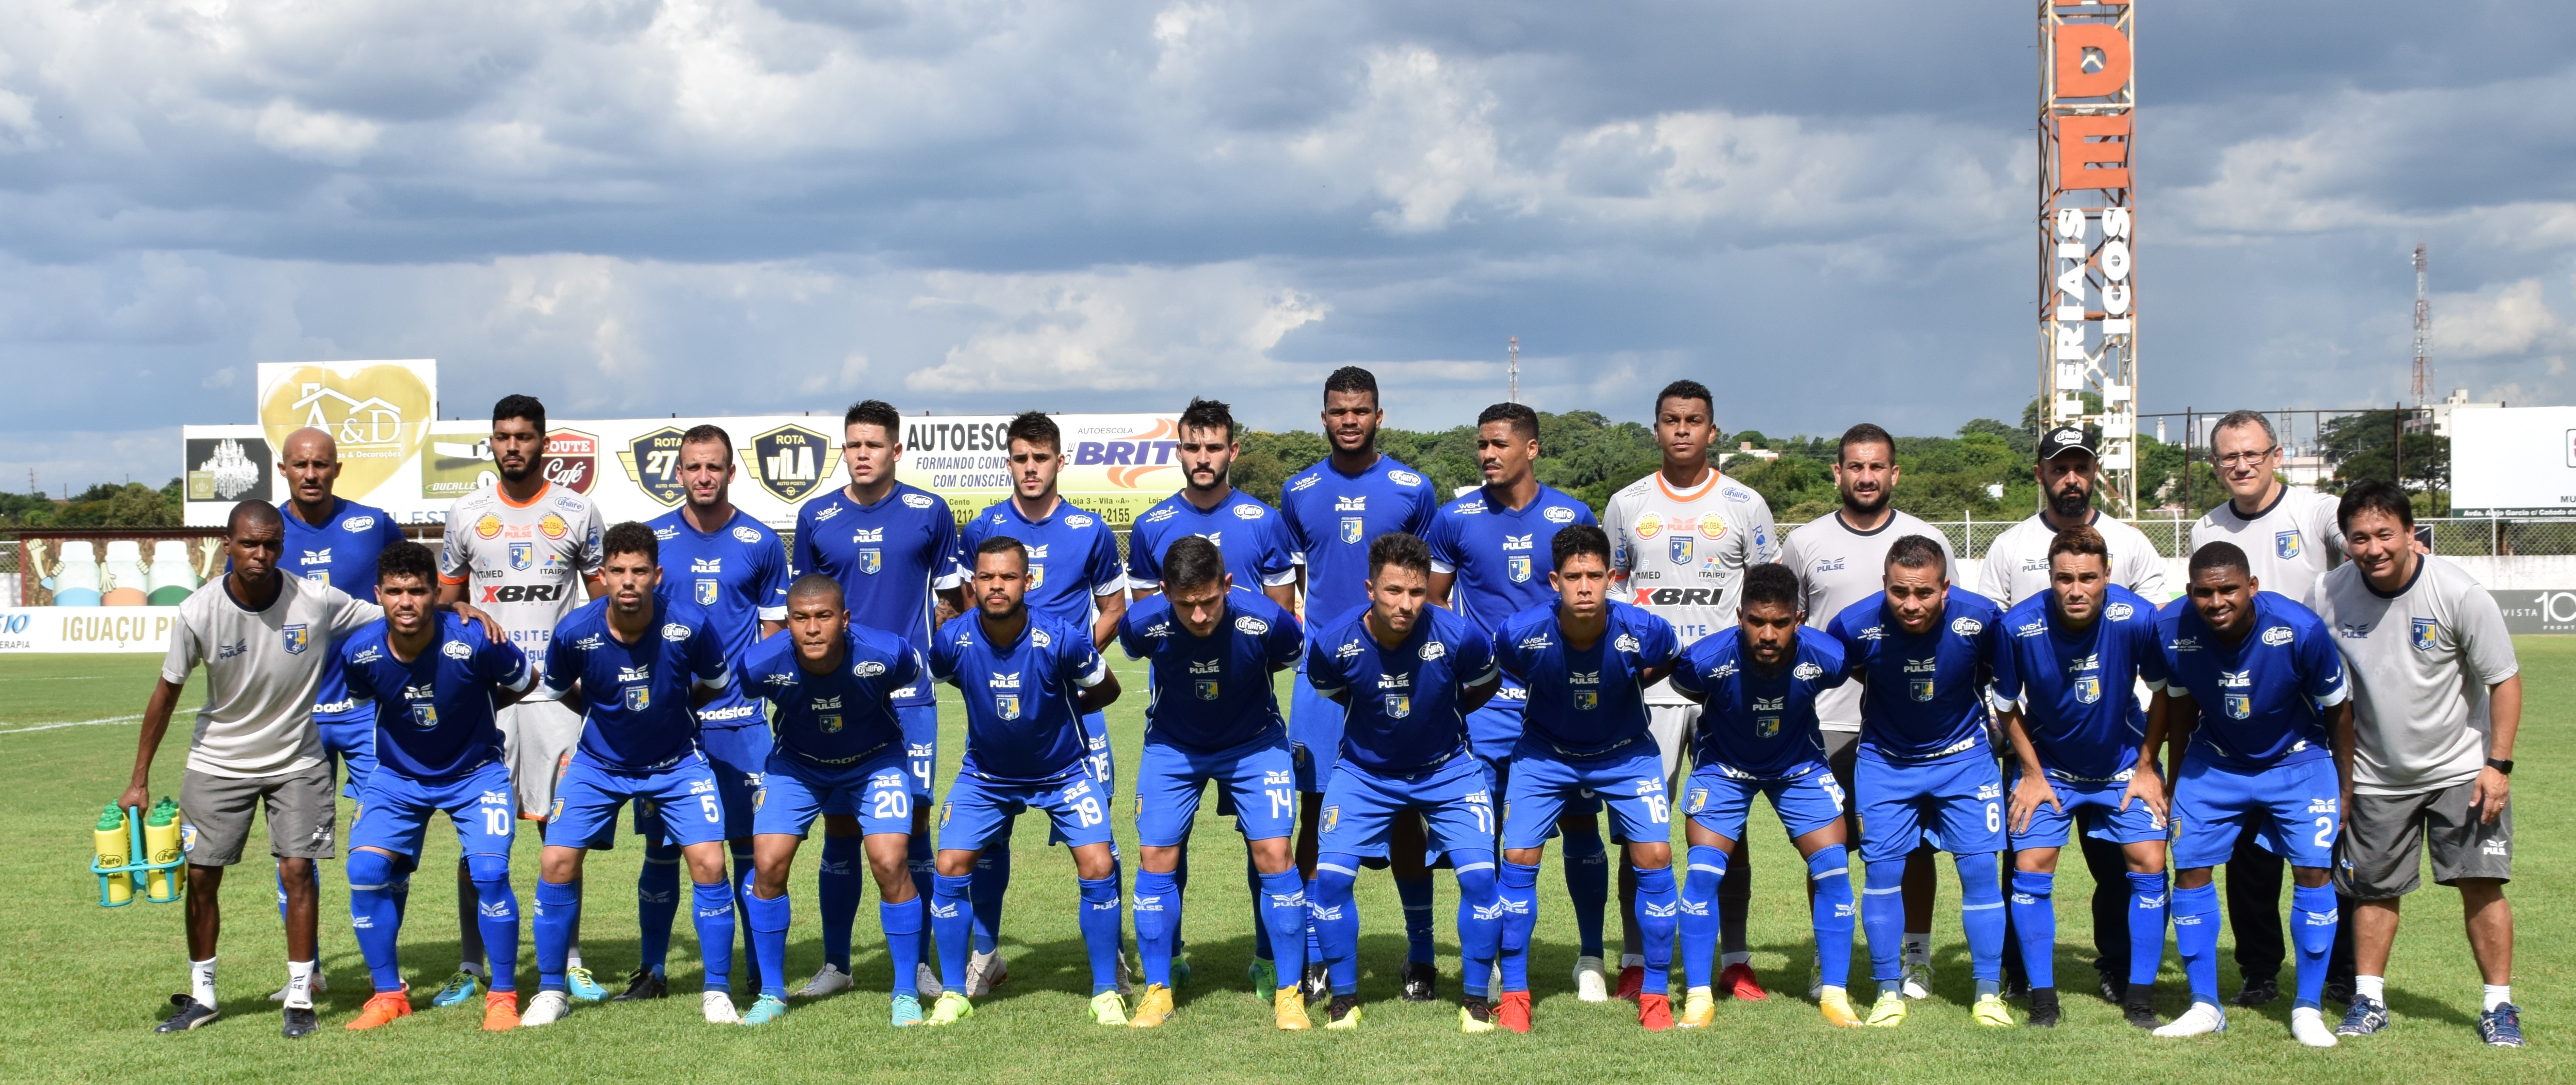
{"points": [[537, 738], [1671, 725], [2378, 856], [215, 813]]}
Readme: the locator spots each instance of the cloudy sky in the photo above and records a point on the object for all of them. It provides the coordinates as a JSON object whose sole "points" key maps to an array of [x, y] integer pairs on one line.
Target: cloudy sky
{"points": [[730, 206]]}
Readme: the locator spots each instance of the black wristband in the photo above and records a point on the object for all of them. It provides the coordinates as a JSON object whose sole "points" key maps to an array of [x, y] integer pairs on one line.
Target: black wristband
{"points": [[2505, 766]]}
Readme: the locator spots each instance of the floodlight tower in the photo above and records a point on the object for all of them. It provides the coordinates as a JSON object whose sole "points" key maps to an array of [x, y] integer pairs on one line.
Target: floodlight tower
{"points": [[2423, 329], [2088, 338]]}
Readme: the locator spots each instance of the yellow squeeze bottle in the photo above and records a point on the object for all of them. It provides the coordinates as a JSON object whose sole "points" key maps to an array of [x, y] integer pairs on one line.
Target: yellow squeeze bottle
{"points": [[161, 842], [115, 849]]}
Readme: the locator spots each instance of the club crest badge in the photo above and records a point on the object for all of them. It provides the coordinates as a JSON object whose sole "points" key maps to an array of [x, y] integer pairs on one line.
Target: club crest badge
{"points": [[2287, 544], [706, 593], [1682, 548], [1921, 688], [830, 725], [1586, 700], [1766, 726], [870, 560], [1006, 705], [2239, 706], [2427, 634], [1351, 529], [522, 555], [1037, 577], [652, 463], [639, 698], [297, 639], [424, 716], [2088, 689], [1518, 565], [1398, 706], [1207, 689]]}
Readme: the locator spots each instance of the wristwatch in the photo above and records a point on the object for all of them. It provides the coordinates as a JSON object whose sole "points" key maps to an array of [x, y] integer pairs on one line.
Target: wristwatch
{"points": [[2505, 766]]}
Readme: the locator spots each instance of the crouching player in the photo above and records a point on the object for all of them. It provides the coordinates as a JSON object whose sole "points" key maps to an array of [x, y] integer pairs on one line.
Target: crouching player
{"points": [[437, 682], [1586, 662], [1027, 682], [1758, 735], [1213, 717], [2078, 652], [637, 665], [838, 738], [1407, 674]]}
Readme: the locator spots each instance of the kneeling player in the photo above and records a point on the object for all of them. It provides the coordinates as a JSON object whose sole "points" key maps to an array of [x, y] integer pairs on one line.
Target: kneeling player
{"points": [[838, 738], [1213, 648], [1026, 682], [2257, 689], [1758, 735], [2077, 652], [437, 682], [1586, 662], [1407, 674], [637, 665]]}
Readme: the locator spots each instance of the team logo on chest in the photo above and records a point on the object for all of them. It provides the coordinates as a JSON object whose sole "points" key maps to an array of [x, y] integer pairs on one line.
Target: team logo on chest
{"points": [[1768, 726], [1351, 529], [829, 724], [706, 593], [1399, 705], [2428, 634], [2287, 544], [1037, 577], [871, 560], [1518, 566], [296, 638], [424, 716], [2088, 689], [1006, 705], [638, 698], [1921, 688], [522, 555], [1681, 545], [2239, 705]]}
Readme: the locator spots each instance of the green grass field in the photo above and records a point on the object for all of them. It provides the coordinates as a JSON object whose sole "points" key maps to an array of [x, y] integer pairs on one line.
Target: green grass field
{"points": [[80, 993]]}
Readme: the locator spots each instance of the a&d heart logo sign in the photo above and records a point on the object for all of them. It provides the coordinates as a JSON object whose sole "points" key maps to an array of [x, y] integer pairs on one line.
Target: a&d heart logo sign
{"points": [[378, 413]]}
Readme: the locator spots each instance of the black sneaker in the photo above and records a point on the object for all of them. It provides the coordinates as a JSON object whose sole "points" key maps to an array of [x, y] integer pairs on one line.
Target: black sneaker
{"points": [[2337, 991], [1343, 1012], [1475, 1013], [2138, 1004], [2262, 992], [644, 984], [1421, 981], [1319, 981], [2367, 1016], [2016, 988], [2043, 1007], [189, 1014], [300, 1023], [2114, 989]]}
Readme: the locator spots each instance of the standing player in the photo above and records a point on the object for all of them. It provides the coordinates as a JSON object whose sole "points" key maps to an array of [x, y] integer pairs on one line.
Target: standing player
{"points": [[438, 685], [1926, 652], [1491, 556], [1407, 675], [2016, 568], [1759, 735], [2080, 650], [2291, 540], [262, 637], [1839, 561], [1212, 648], [638, 663], [1026, 682], [838, 736], [893, 548], [2437, 701], [734, 568], [520, 548], [1087, 589], [328, 539], [1586, 663], [1332, 511], [1680, 540], [2257, 693]]}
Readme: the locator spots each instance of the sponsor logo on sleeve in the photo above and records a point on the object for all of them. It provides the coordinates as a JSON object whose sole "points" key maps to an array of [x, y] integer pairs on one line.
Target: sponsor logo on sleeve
{"points": [[1556, 514], [356, 524], [2278, 635], [1404, 478], [1249, 511], [1251, 625], [745, 534]]}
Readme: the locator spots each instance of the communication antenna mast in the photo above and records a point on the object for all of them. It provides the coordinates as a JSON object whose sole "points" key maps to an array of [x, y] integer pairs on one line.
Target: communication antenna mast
{"points": [[1515, 397], [2423, 328]]}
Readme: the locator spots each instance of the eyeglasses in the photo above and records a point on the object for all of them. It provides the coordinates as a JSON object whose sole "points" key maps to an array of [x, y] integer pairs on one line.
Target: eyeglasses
{"points": [[2233, 459]]}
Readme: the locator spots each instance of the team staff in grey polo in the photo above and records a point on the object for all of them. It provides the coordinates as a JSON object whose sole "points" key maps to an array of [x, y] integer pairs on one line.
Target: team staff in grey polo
{"points": [[2016, 564], [2288, 533], [1839, 561], [2437, 699]]}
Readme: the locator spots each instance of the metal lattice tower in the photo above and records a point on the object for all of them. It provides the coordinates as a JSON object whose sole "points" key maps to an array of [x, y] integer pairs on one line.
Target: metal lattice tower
{"points": [[1515, 395], [2423, 329], [2087, 231]]}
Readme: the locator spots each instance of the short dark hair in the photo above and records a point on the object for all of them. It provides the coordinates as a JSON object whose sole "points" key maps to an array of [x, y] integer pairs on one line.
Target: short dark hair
{"points": [[2256, 419], [1033, 427], [630, 537], [2375, 495], [253, 514], [1866, 433], [813, 584], [2080, 539], [1401, 550], [519, 406], [874, 412], [1351, 378], [1577, 540], [1773, 583], [1524, 420], [2219, 555], [1192, 562], [407, 558], [1685, 389], [1915, 552], [1208, 414], [709, 434], [1002, 544]]}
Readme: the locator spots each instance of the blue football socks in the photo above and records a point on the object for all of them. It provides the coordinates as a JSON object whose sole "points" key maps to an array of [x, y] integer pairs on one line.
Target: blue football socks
{"points": [[1336, 919], [558, 915], [713, 918], [2195, 930], [372, 916], [1882, 920], [768, 918], [1415, 895], [2313, 919], [902, 924], [496, 918], [1981, 911], [1283, 915], [1516, 899], [1102, 931], [1706, 867], [2146, 927], [1830, 870], [1158, 901], [1587, 885], [657, 901], [2034, 918], [1658, 912], [952, 926], [836, 896], [992, 883], [1480, 930]]}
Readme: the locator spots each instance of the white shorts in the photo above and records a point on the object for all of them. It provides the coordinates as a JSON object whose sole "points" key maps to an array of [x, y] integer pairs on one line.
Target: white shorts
{"points": [[1671, 725], [537, 739]]}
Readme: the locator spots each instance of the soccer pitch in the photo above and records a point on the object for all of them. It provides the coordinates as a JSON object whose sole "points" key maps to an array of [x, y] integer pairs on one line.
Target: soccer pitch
{"points": [[85, 984]]}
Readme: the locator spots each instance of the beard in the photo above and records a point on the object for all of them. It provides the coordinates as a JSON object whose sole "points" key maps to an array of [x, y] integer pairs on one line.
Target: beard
{"points": [[2071, 503], [1866, 506]]}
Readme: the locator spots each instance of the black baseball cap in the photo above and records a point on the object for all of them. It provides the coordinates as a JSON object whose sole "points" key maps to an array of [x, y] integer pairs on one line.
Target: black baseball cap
{"points": [[2062, 440]]}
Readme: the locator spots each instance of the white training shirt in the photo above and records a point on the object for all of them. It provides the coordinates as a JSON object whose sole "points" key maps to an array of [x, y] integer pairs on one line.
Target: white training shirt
{"points": [[262, 668], [2289, 543], [2016, 565], [523, 564], [1681, 553], [1838, 566], [2421, 662]]}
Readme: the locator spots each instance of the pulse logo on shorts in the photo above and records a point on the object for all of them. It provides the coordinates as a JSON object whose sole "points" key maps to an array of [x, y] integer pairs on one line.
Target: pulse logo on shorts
{"points": [[296, 638]]}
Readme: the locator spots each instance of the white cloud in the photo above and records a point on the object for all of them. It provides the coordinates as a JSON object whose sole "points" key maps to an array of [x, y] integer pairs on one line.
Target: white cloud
{"points": [[2509, 319]]}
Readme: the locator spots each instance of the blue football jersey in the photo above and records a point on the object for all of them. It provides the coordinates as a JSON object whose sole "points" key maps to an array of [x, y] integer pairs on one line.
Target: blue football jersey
{"points": [[1212, 693], [1073, 556], [636, 713], [1331, 518], [1404, 715], [2078, 691], [843, 715], [1022, 725], [1248, 533], [2259, 699], [341, 553], [434, 715], [1587, 702], [1753, 724], [1924, 696], [1501, 556], [888, 557], [737, 574]]}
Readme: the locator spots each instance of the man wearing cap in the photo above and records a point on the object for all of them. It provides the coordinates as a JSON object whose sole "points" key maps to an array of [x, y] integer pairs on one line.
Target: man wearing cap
{"points": [[2016, 568]]}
